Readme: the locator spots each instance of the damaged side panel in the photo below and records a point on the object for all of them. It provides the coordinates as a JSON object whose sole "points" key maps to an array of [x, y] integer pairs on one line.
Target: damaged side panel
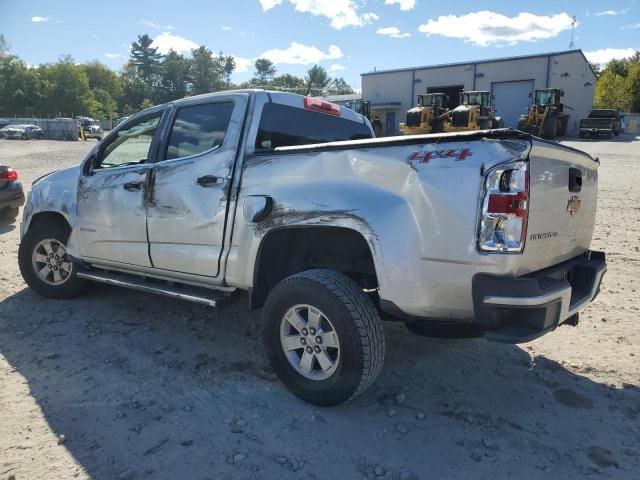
{"points": [[411, 203]]}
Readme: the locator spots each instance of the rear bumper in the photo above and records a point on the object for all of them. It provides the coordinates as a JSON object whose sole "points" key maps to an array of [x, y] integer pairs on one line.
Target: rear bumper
{"points": [[517, 310], [11, 196], [596, 130]]}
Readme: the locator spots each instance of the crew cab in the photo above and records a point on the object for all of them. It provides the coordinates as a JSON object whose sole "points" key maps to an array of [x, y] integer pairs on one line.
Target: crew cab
{"points": [[601, 122], [328, 229]]}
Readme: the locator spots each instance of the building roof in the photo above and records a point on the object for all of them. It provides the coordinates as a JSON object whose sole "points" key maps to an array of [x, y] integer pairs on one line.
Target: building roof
{"points": [[478, 62]]}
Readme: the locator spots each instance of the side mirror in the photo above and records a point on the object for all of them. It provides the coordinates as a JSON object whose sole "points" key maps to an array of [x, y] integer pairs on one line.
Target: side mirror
{"points": [[562, 93], [530, 95]]}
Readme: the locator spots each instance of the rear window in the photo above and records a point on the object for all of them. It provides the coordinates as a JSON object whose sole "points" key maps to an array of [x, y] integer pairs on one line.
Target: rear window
{"points": [[285, 126], [602, 114]]}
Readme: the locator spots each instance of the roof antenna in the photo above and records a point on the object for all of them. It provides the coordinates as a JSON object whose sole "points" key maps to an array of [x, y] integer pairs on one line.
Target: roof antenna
{"points": [[572, 44]]}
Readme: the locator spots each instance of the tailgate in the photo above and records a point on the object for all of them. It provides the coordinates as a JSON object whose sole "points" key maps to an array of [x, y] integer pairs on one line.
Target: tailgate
{"points": [[562, 204]]}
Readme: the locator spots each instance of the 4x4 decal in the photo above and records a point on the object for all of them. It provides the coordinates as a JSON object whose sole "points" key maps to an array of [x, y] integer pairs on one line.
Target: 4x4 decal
{"points": [[424, 156]]}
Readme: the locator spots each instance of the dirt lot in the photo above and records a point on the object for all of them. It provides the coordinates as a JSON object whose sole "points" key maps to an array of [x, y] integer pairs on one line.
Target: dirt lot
{"points": [[123, 385]]}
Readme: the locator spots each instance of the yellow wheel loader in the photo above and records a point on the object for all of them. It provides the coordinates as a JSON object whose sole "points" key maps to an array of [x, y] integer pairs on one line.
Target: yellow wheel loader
{"points": [[475, 112], [363, 107], [428, 116], [546, 117]]}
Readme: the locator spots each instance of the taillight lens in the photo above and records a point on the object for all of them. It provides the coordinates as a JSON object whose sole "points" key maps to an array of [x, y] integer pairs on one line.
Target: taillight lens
{"points": [[9, 175], [505, 209]]}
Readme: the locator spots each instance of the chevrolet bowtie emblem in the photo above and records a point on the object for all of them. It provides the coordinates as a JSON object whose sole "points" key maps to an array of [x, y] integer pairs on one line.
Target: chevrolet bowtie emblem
{"points": [[574, 205]]}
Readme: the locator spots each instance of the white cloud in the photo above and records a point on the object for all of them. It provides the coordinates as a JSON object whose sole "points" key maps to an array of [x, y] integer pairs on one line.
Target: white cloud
{"points": [[605, 55], [404, 4], [336, 67], [611, 13], [342, 13], [299, 54], [157, 26], [269, 4], [392, 32], [637, 25], [487, 28], [40, 19], [112, 55], [242, 64], [226, 28], [167, 41]]}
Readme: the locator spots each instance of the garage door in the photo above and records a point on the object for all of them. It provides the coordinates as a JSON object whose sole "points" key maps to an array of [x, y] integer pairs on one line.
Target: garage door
{"points": [[512, 100]]}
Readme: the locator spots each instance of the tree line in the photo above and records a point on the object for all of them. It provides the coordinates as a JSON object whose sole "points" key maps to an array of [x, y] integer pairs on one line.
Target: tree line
{"points": [[66, 88], [618, 85]]}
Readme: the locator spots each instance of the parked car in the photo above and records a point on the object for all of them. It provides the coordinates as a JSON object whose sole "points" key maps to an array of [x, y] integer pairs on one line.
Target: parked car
{"points": [[23, 132], [11, 194], [239, 191], [601, 122], [90, 127]]}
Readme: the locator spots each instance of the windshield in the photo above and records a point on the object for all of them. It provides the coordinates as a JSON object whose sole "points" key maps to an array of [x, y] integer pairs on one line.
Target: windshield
{"points": [[545, 98], [476, 98], [426, 100], [88, 123]]}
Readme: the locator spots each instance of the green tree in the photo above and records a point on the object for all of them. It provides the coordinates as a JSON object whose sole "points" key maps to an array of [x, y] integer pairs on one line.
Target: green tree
{"points": [[611, 91], [66, 88], [633, 84], [289, 83], [133, 90], [147, 59], [204, 72], [174, 77], [265, 71], [20, 86], [316, 80], [341, 87]]}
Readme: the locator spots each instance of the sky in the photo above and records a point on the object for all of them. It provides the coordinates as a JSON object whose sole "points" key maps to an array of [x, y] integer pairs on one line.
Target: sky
{"points": [[347, 37]]}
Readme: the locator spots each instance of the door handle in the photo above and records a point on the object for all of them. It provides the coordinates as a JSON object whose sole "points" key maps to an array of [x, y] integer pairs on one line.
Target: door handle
{"points": [[131, 186], [209, 180]]}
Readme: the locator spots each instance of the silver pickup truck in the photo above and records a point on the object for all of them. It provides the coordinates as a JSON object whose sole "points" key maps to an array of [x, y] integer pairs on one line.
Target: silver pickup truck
{"points": [[329, 230]]}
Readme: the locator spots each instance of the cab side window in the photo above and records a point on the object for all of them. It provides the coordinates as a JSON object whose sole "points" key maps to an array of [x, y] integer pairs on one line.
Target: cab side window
{"points": [[198, 128], [131, 144]]}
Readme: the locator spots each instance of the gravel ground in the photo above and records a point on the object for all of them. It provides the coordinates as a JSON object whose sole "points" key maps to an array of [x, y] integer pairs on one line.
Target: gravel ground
{"points": [[123, 385]]}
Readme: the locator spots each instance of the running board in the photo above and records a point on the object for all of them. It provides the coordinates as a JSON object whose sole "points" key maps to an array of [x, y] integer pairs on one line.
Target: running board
{"points": [[182, 292]]}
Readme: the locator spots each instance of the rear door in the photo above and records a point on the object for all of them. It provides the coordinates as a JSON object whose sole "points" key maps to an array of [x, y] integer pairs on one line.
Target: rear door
{"points": [[187, 211]]}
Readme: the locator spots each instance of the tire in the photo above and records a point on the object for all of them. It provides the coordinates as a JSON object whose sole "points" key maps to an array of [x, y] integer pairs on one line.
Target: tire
{"points": [[72, 286], [344, 310], [550, 127], [23, 137], [522, 124], [583, 135], [10, 214]]}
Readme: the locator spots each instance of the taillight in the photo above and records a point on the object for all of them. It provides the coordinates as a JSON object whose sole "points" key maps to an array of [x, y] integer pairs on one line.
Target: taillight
{"points": [[321, 106], [9, 175], [505, 209]]}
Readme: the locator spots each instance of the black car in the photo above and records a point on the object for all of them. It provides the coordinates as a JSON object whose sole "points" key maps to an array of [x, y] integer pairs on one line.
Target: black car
{"points": [[11, 194]]}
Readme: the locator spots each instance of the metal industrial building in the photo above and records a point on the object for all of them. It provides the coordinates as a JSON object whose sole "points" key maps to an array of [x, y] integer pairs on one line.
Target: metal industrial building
{"points": [[511, 80]]}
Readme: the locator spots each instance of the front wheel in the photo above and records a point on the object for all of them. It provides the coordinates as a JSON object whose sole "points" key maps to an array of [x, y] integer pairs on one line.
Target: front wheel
{"points": [[44, 263], [323, 336]]}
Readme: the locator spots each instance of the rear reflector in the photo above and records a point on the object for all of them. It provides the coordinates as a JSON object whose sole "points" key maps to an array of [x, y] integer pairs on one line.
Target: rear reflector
{"points": [[10, 175], [323, 106]]}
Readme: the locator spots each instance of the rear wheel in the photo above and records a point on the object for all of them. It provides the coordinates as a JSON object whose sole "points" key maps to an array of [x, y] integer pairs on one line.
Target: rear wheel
{"points": [[44, 263], [323, 336]]}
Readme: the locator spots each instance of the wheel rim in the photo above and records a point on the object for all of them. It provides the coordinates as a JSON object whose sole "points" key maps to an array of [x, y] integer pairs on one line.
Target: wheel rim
{"points": [[50, 262], [310, 342]]}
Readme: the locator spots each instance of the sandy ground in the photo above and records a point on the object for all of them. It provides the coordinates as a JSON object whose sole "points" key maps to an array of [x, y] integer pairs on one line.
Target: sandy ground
{"points": [[123, 385]]}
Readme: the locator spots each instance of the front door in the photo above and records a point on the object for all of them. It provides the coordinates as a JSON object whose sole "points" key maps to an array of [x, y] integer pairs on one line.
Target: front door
{"points": [[111, 203], [187, 208]]}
